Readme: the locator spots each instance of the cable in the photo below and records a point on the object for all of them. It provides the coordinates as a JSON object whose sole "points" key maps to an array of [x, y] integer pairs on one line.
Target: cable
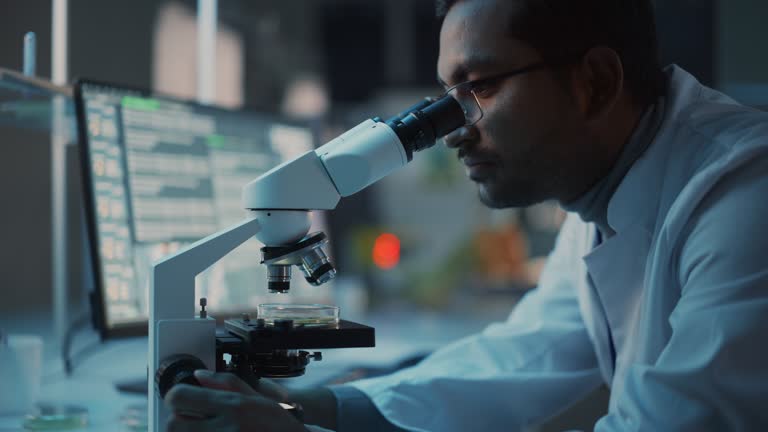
{"points": [[66, 358]]}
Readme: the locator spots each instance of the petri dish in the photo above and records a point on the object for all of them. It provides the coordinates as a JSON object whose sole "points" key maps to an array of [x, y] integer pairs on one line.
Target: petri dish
{"points": [[53, 416], [313, 315]]}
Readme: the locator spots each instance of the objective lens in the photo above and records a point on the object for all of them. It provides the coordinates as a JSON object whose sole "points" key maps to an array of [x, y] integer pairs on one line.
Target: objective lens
{"points": [[278, 278], [316, 267]]}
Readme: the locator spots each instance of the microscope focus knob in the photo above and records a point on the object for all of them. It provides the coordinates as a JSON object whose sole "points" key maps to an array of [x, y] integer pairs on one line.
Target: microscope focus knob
{"points": [[177, 369]]}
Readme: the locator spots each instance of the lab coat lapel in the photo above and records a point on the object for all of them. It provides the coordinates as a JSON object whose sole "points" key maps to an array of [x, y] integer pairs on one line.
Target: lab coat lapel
{"points": [[617, 266], [592, 311], [617, 270]]}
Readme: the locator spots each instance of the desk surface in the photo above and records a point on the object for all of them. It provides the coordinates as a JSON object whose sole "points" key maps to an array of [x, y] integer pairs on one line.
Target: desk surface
{"points": [[92, 383]]}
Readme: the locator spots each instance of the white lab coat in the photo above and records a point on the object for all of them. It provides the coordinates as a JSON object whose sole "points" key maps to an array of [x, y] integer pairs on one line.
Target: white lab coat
{"points": [[682, 287]]}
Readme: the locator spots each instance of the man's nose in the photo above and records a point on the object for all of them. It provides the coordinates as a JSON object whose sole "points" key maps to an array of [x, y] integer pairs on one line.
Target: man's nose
{"points": [[460, 136]]}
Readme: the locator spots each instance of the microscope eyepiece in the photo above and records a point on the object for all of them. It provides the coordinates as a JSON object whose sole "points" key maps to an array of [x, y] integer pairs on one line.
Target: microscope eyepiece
{"points": [[446, 115], [421, 125]]}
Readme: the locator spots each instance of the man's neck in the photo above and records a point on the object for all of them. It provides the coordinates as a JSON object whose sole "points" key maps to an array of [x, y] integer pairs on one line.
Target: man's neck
{"points": [[633, 131]]}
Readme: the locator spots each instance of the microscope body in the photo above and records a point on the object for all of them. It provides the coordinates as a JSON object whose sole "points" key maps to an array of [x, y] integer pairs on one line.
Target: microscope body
{"points": [[278, 205]]}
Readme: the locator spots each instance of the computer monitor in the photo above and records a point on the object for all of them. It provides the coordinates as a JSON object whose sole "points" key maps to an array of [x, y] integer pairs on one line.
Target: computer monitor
{"points": [[160, 173]]}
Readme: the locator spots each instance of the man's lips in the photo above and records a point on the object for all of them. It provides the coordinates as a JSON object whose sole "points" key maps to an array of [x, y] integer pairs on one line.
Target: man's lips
{"points": [[470, 162], [469, 158], [478, 169]]}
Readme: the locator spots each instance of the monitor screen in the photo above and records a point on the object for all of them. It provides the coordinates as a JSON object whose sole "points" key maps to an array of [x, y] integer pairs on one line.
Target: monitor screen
{"points": [[160, 173]]}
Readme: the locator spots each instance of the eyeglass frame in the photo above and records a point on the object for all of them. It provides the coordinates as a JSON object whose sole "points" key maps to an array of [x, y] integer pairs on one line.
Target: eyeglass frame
{"points": [[471, 84]]}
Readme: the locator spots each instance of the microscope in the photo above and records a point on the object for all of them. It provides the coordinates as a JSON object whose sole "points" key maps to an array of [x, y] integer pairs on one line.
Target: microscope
{"points": [[278, 203]]}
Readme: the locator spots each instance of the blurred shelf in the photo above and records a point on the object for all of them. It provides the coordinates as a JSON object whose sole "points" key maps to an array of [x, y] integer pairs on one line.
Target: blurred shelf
{"points": [[754, 94], [29, 103]]}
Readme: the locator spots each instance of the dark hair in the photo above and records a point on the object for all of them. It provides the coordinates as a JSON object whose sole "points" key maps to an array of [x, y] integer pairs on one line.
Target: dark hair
{"points": [[563, 29]]}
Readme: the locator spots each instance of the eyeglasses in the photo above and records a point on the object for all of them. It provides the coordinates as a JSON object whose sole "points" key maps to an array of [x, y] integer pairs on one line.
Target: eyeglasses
{"points": [[466, 93]]}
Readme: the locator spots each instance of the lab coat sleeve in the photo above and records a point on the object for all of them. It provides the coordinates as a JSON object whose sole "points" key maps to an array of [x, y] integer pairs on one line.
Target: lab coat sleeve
{"points": [[511, 375], [713, 373], [356, 412]]}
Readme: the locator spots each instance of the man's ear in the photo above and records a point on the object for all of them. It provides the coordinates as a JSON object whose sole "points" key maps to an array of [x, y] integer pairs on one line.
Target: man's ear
{"points": [[598, 81]]}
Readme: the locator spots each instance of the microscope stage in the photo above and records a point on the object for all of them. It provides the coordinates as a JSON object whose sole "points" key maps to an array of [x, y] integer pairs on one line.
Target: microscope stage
{"points": [[265, 338]]}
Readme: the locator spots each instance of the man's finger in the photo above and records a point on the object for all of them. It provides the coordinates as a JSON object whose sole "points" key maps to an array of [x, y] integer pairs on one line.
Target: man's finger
{"points": [[223, 381], [193, 399], [271, 389]]}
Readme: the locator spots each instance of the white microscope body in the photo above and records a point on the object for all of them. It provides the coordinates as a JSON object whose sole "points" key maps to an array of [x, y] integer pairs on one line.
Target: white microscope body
{"points": [[279, 203]]}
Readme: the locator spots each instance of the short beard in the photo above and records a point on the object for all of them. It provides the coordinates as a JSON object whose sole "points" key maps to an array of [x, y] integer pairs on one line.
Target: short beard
{"points": [[502, 202]]}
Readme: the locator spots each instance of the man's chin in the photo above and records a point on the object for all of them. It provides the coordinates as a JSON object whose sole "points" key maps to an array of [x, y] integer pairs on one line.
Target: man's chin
{"points": [[493, 198]]}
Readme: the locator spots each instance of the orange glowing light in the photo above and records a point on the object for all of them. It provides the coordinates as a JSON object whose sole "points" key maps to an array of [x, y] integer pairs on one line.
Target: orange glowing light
{"points": [[386, 251]]}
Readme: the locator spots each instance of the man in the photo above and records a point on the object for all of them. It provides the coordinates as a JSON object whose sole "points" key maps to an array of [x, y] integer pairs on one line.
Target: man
{"points": [[658, 283]]}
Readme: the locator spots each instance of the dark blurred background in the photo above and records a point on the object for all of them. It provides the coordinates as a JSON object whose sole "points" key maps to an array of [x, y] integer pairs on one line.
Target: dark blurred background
{"points": [[335, 62]]}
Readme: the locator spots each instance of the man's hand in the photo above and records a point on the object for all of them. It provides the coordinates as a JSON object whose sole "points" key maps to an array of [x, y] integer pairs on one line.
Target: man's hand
{"points": [[224, 381], [226, 403]]}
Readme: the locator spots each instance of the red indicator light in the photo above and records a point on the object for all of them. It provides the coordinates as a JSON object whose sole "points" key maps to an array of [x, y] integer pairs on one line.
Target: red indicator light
{"points": [[386, 251]]}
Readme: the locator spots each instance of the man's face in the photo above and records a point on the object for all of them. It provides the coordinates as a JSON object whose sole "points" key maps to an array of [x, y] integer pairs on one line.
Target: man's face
{"points": [[532, 143]]}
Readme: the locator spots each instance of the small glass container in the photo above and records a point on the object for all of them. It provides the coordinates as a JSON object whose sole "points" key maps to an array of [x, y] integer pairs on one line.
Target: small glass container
{"points": [[313, 315], [59, 417]]}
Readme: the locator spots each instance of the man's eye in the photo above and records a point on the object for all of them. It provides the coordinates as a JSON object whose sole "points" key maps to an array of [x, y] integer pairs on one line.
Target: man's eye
{"points": [[482, 88]]}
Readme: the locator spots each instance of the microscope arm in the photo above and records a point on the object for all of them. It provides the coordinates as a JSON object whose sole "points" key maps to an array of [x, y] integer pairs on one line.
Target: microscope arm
{"points": [[176, 273], [173, 326]]}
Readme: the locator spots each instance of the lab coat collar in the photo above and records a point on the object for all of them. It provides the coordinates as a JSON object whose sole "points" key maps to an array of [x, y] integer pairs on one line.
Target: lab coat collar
{"points": [[636, 200]]}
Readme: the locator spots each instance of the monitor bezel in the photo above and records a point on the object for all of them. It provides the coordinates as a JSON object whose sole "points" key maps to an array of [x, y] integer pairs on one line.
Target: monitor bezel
{"points": [[97, 297]]}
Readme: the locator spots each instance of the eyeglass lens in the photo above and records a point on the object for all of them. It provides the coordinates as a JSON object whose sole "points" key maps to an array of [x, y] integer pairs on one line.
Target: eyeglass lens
{"points": [[469, 103]]}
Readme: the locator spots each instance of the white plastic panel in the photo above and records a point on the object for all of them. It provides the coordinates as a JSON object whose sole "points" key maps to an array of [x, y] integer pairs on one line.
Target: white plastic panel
{"points": [[300, 184], [355, 161]]}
